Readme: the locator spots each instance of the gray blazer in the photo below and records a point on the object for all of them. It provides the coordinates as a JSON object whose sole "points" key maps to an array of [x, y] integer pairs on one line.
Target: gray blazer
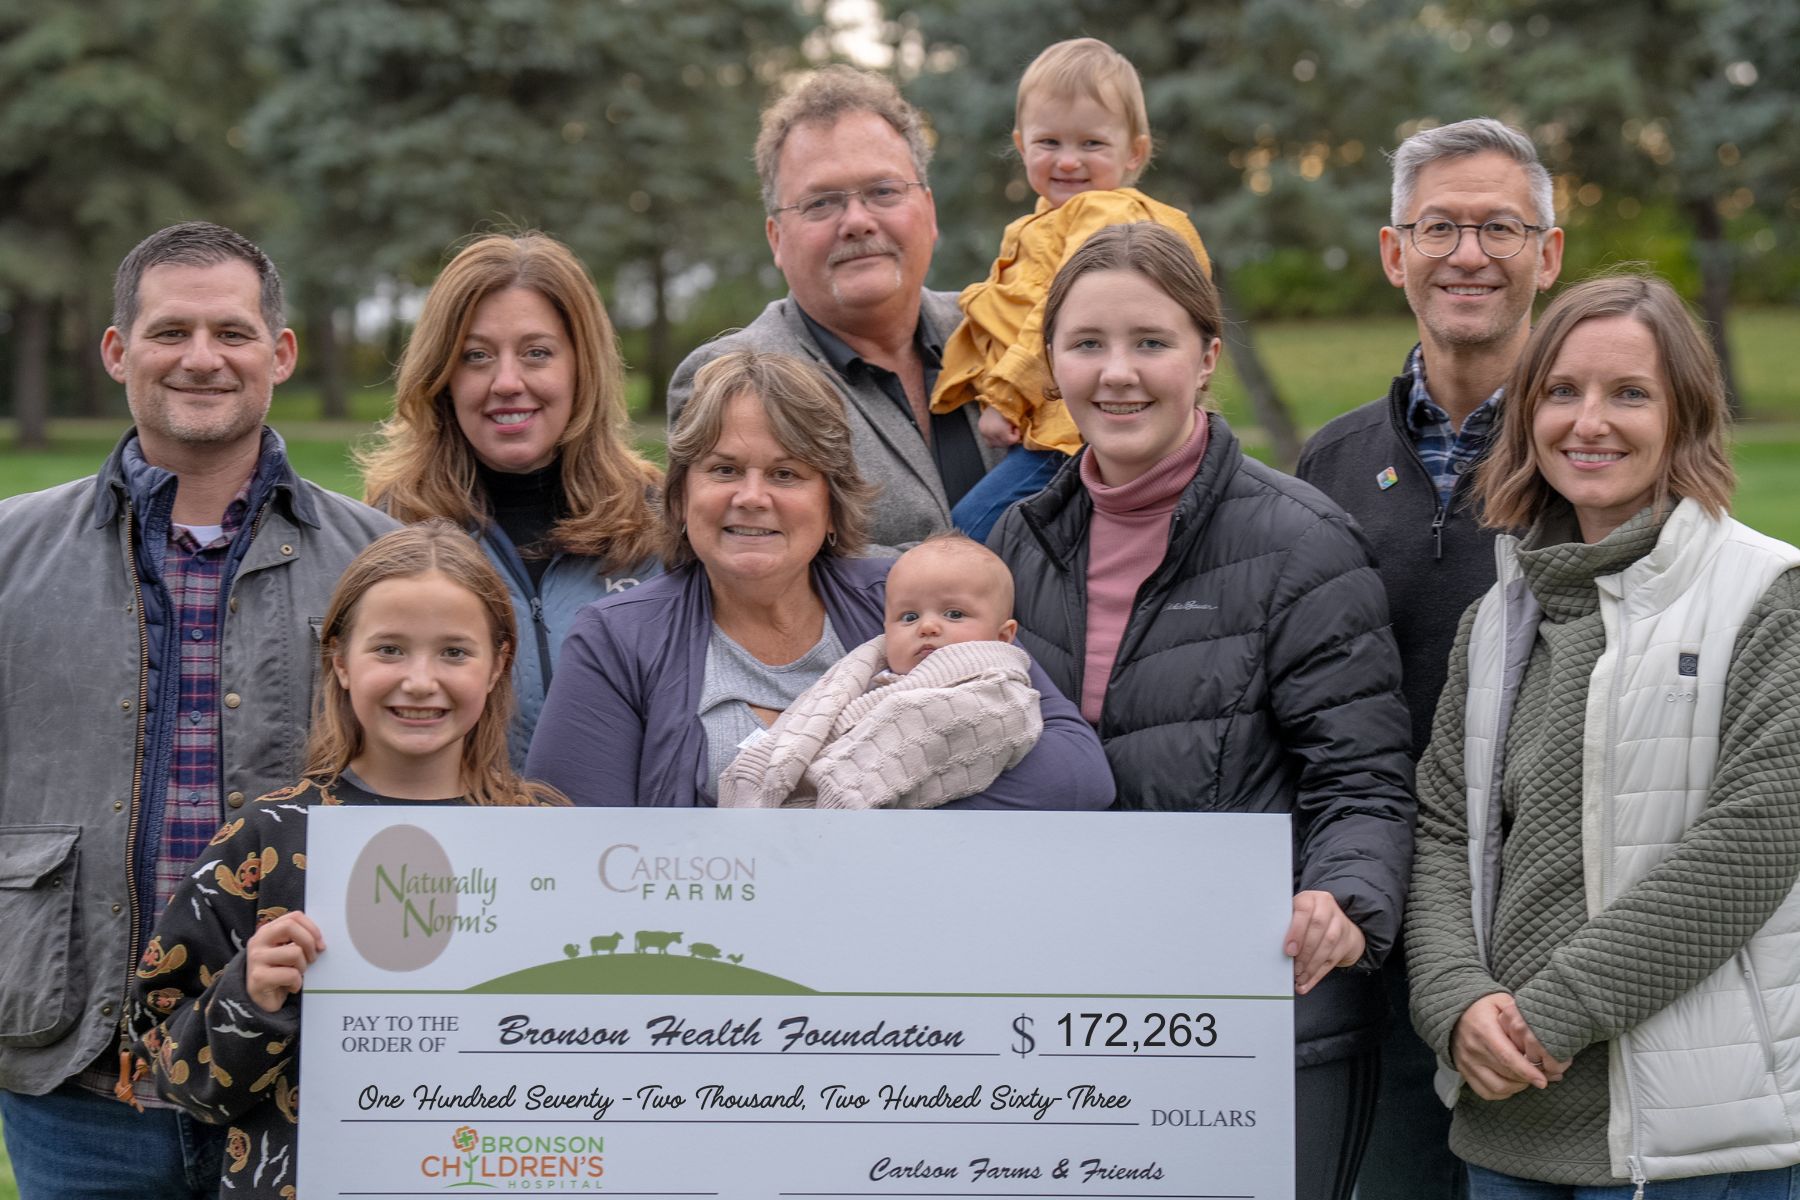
{"points": [[889, 449]]}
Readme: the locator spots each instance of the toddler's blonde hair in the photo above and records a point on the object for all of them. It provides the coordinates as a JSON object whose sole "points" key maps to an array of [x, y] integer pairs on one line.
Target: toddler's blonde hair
{"points": [[1088, 67]]}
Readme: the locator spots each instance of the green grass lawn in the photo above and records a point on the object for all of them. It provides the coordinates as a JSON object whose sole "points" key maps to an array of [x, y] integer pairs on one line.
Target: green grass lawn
{"points": [[1323, 367]]}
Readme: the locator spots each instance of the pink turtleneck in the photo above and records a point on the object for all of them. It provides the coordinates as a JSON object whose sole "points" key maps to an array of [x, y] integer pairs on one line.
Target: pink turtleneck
{"points": [[1126, 542]]}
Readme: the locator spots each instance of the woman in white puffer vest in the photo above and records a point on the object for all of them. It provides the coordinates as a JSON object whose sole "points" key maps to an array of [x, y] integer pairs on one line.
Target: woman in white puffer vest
{"points": [[1604, 932]]}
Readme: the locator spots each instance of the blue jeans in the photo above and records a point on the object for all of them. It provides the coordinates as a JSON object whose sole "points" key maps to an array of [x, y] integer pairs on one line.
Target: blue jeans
{"points": [[1020, 474], [73, 1144], [1783, 1183]]}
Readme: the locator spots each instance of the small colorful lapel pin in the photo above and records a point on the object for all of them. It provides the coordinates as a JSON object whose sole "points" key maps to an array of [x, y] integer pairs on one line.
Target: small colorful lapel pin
{"points": [[1388, 478]]}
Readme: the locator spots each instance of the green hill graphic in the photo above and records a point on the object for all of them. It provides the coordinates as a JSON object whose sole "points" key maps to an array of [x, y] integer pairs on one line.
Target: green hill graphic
{"points": [[641, 975]]}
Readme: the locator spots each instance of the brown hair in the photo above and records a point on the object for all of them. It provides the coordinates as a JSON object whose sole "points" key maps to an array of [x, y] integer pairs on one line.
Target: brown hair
{"points": [[337, 736], [1089, 68], [425, 467], [1159, 255], [824, 97], [1696, 464], [806, 415], [196, 244]]}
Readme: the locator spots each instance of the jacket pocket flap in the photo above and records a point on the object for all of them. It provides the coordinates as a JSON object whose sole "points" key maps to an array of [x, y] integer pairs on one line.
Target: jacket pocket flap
{"points": [[31, 853]]}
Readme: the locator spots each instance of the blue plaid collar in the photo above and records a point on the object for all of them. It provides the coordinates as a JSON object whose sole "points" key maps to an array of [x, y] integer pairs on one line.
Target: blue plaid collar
{"points": [[1423, 414]]}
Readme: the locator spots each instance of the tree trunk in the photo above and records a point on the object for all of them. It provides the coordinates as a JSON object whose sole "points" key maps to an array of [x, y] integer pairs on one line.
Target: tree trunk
{"points": [[1265, 398], [91, 381], [398, 333], [31, 374], [661, 365], [1716, 267], [327, 360]]}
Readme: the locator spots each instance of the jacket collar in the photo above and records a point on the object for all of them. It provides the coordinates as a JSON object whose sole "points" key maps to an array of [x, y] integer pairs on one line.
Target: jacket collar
{"points": [[1686, 547], [1058, 516], [1400, 398], [117, 483]]}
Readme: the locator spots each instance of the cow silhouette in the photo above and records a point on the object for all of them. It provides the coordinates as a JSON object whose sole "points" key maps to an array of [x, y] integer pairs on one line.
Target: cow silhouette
{"points": [[649, 940]]}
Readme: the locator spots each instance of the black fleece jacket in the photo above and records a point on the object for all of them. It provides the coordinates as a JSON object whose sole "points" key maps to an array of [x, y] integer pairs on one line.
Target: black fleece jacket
{"points": [[1435, 560]]}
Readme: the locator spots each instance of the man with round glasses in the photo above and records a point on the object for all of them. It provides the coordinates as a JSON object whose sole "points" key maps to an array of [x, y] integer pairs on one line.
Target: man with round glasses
{"points": [[1473, 239], [852, 225]]}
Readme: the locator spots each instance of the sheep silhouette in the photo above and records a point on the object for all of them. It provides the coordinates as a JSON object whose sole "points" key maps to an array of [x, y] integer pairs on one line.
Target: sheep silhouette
{"points": [[654, 940], [572, 950], [704, 950], [610, 943]]}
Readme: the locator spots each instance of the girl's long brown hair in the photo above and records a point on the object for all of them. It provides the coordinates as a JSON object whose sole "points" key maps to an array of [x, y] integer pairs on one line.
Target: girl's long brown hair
{"points": [[423, 466], [337, 736]]}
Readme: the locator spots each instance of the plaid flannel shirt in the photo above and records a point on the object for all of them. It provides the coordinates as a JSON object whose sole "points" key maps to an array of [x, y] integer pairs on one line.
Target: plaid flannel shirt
{"points": [[1446, 451], [192, 808]]}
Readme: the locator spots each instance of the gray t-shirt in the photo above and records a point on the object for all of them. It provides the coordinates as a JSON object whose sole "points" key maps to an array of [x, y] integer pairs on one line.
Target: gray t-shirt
{"points": [[736, 679]]}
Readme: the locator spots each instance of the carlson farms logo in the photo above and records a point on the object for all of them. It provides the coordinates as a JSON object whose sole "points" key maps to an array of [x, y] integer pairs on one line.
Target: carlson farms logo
{"points": [[405, 901], [517, 1162], [626, 868]]}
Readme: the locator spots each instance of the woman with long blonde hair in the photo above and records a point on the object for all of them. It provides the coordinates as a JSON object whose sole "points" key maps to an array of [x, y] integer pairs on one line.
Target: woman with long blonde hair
{"points": [[509, 419]]}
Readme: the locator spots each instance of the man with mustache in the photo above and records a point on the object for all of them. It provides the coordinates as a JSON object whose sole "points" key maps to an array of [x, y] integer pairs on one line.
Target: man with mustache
{"points": [[1473, 240], [157, 650], [851, 223]]}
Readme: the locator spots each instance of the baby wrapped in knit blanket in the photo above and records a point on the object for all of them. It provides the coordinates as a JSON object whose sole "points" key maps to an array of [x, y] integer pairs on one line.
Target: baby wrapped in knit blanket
{"points": [[932, 710]]}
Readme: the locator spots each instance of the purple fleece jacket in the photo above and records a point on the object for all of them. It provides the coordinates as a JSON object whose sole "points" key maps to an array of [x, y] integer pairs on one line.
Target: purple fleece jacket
{"points": [[621, 724]]}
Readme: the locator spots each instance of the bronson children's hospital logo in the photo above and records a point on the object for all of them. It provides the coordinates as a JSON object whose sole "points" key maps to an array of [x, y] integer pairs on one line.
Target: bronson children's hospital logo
{"points": [[518, 1162], [405, 901]]}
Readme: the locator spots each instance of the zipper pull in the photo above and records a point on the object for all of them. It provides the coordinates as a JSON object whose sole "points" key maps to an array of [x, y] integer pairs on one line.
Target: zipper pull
{"points": [[537, 610], [1437, 533], [1637, 1176], [129, 1069]]}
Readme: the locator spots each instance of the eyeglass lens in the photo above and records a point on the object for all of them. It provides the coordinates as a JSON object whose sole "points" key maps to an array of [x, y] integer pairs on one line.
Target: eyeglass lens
{"points": [[885, 193], [1497, 239]]}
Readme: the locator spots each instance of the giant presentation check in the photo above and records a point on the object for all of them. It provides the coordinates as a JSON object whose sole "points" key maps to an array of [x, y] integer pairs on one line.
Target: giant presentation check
{"points": [[769, 1004]]}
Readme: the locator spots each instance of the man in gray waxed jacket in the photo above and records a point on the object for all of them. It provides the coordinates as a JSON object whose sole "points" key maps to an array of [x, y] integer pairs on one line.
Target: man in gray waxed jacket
{"points": [[852, 225], [158, 649]]}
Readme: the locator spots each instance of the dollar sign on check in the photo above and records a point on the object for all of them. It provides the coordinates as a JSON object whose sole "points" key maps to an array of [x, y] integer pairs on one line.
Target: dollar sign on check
{"points": [[1026, 1043]]}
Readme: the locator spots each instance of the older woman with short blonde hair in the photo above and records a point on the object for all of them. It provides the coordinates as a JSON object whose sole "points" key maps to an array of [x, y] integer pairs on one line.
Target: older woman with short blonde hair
{"points": [[766, 517]]}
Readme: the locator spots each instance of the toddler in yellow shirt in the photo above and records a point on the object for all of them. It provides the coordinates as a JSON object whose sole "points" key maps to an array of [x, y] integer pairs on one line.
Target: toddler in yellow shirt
{"points": [[1083, 132]]}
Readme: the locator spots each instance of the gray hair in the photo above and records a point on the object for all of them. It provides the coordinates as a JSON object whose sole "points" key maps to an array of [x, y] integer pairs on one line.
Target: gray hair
{"points": [[824, 97], [195, 244], [1478, 135]]}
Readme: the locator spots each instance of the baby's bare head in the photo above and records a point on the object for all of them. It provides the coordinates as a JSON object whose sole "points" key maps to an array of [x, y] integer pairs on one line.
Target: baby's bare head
{"points": [[947, 589]]}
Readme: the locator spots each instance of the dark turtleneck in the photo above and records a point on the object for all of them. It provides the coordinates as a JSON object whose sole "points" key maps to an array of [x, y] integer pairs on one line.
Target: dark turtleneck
{"points": [[525, 507]]}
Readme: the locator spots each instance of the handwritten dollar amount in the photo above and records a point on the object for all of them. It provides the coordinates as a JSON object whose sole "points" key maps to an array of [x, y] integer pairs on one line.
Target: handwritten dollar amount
{"points": [[1143, 1031]]}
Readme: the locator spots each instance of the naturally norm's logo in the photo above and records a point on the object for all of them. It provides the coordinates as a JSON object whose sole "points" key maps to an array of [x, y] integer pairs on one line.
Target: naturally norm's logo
{"points": [[402, 899]]}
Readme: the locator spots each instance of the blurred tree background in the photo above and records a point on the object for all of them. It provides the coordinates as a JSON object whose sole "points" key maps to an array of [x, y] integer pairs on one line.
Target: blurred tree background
{"points": [[361, 140]]}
